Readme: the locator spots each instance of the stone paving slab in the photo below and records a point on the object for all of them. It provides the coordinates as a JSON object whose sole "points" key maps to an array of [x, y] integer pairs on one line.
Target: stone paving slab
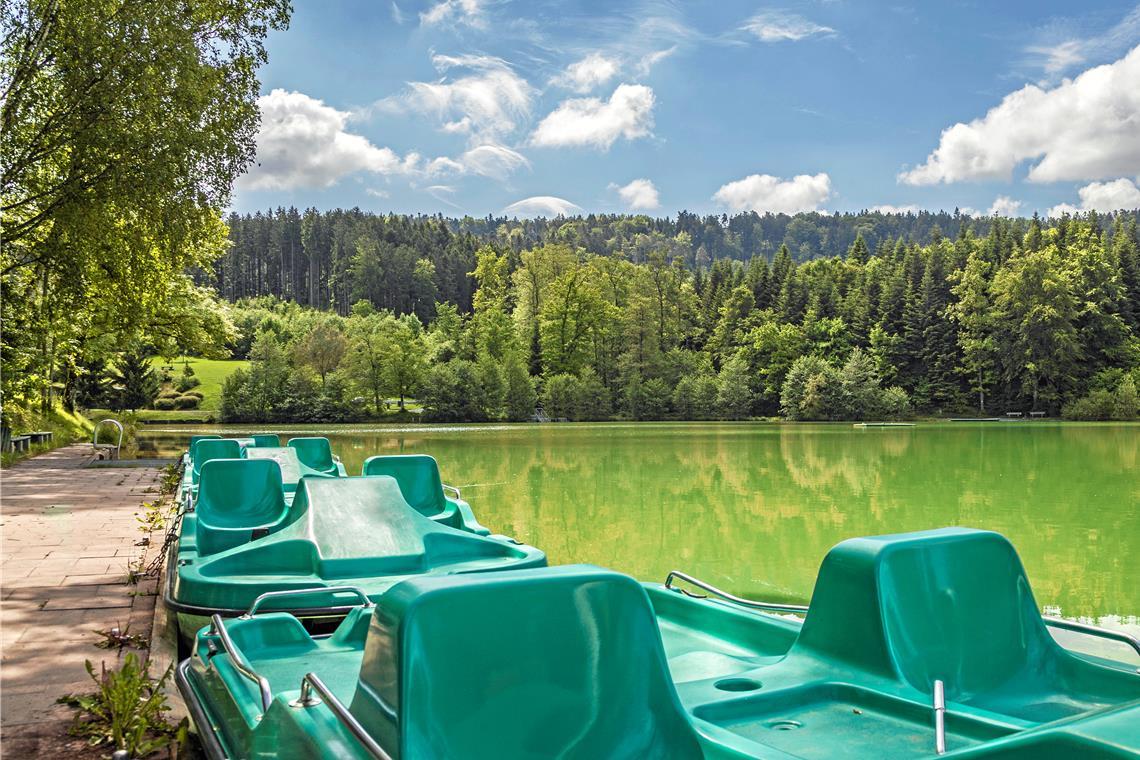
{"points": [[67, 537]]}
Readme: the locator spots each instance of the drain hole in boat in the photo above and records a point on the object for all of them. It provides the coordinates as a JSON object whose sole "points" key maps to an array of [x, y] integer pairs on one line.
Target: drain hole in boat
{"points": [[784, 725], [737, 684]]}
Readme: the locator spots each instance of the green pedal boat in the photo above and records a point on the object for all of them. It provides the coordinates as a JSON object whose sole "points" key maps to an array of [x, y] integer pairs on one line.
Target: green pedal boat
{"points": [[913, 645], [316, 543]]}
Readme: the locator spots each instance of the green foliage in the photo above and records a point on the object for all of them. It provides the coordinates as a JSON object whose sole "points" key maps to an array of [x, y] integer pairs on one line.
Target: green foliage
{"points": [[125, 125], [521, 398], [128, 710], [136, 382], [1123, 403]]}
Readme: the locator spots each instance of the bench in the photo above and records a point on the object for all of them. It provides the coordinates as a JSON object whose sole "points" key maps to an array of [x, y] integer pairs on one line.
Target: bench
{"points": [[41, 436], [1013, 414], [20, 442], [1037, 414]]}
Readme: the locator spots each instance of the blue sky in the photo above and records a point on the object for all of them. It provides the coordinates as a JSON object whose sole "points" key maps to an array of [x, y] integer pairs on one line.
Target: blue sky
{"points": [[536, 108]]}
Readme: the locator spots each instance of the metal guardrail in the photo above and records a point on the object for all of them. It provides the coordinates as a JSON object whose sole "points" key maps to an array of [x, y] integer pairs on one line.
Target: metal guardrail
{"points": [[311, 683], [239, 662], [1094, 630], [95, 439], [364, 600], [768, 606]]}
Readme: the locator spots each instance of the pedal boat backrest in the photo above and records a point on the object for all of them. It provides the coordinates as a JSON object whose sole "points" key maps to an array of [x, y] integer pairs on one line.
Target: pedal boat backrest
{"points": [[418, 476], [562, 662], [195, 438], [953, 605], [208, 449], [237, 498], [315, 453], [266, 441]]}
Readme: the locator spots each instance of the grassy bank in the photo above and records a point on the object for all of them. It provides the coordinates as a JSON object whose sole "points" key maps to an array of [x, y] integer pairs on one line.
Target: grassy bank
{"points": [[211, 373], [66, 428]]}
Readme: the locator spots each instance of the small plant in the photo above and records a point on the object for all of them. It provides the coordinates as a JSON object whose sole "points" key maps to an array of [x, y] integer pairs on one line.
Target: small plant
{"points": [[171, 477], [116, 638], [153, 516], [128, 710]]}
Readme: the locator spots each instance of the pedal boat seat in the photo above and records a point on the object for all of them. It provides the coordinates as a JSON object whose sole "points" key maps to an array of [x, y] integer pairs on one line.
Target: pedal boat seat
{"points": [[238, 499], [422, 487], [316, 454], [559, 662], [209, 449]]}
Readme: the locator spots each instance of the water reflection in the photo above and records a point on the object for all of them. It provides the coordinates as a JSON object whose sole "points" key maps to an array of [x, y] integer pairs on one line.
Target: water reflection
{"points": [[753, 508]]}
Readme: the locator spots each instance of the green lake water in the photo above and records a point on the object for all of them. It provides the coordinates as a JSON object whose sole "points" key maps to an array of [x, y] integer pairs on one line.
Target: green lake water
{"points": [[753, 508]]}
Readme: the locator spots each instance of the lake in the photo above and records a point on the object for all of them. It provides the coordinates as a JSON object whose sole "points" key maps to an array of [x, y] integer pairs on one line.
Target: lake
{"points": [[753, 507]]}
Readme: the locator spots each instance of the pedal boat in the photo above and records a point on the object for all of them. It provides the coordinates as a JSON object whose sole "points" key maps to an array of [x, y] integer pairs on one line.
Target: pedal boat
{"points": [[334, 541], [914, 645]]}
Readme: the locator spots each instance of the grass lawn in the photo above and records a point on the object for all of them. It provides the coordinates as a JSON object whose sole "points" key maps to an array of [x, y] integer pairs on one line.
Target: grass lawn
{"points": [[211, 372]]}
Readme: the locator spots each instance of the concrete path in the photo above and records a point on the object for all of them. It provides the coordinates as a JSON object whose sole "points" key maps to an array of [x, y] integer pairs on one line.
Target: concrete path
{"points": [[68, 536]]}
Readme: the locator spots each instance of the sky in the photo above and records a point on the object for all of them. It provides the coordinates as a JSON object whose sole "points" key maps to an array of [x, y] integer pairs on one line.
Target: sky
{"points": [[537, 108]]}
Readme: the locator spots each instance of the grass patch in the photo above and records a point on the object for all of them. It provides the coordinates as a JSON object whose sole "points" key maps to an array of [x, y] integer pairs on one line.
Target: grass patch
{"points": [[211, 372]]}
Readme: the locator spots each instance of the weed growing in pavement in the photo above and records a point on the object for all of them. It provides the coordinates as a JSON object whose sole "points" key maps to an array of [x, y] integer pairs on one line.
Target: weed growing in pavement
{"points": [[128, 710]]}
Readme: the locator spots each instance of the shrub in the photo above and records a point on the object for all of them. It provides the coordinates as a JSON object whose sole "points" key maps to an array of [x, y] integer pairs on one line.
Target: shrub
{"points": [[168, 393], [186, 382], [187, 402], [165, 404], [196, 394]]}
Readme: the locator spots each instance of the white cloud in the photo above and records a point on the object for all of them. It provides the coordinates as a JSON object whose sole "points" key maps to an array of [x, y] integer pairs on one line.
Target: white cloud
{"points": [[1118, 194], [763, 192], [457, 11], [649, 60], [397, 14], [541, 205], [302, 142], [594, 122], [376, 193], [640, 194], [489, 102], [586, 74], [887, 208], [1003, 205], [1085, 128], [781, 26]]}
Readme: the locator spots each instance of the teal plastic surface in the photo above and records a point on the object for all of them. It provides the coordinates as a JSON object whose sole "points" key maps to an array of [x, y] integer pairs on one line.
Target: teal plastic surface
{"points": [[336, 531], [315, 453], [208, 449], [422, 487], [264, 440]]}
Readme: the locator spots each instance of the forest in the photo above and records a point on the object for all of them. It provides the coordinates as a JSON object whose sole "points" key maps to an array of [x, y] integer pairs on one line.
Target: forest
{"points": [[1027, 317]]}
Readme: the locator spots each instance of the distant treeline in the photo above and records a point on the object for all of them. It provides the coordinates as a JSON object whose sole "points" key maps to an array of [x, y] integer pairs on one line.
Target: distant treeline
{"points": [[330, 260], [1026, 317]]}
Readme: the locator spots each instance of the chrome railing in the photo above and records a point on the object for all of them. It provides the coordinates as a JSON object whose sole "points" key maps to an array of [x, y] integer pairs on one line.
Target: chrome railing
{"points": [[364, 600], [1094, 630], [239, 662], [768, 606], [453, 489], [311, 683]]}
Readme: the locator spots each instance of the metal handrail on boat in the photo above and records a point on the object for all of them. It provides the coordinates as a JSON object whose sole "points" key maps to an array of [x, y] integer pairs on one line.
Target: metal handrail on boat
{"points": [[239, 662], [769, 606], [1094, 630], [311, 682], [453, 489], [364, 600]]}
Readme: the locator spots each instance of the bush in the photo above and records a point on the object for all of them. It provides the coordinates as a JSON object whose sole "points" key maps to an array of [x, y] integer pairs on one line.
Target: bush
{"points": [[196, 394], [164, 404], [1103, 404], [187, 402], [168, 393], [185, 383]]}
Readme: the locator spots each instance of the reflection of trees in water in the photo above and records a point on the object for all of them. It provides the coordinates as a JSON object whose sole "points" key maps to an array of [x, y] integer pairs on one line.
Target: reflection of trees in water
{"points": [[755, 507]]}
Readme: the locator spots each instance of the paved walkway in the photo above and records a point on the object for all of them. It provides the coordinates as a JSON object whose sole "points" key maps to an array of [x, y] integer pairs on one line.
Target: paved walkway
{"points": [[68, 535]]}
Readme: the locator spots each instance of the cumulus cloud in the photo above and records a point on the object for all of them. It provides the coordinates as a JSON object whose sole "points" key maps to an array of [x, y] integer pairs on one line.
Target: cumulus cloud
{"points": [[454, 11], [586, 74], [763, 192], [1085, 128], [541, 205], [781, 26], [598, 123], [303, 142], [1003, 205], [638, 194], [489, 101], [1119, 194], [887, 208]]}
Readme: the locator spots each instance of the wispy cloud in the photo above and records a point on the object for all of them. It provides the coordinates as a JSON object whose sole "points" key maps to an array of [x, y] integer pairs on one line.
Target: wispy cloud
{"points": [[586, 74], [783, 26], [466, 12], [397, 14], [1060, 46]]}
